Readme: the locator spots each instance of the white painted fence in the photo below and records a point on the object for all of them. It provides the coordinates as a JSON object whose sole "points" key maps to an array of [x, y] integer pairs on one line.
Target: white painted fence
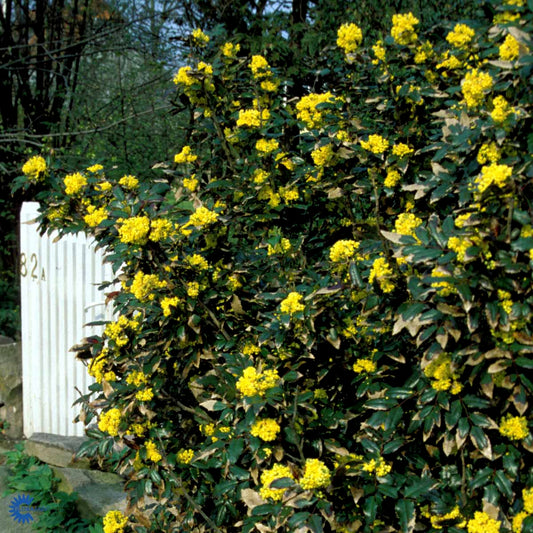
{"points": [[59, 295]]}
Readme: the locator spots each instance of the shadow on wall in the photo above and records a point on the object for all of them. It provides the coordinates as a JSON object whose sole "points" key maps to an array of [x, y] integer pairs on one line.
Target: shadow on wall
{"points": [[11, 388]]}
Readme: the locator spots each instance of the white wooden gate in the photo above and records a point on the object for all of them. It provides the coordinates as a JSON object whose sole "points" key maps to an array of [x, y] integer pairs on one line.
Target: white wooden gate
{"points": [[59, 295]]}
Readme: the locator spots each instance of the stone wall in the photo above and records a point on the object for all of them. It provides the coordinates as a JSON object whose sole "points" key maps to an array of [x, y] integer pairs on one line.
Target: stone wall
{"points": [[11, 387]]}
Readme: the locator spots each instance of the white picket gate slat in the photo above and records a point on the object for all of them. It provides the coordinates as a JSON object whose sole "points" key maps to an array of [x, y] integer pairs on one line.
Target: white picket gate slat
{"points": [[59, 295]]}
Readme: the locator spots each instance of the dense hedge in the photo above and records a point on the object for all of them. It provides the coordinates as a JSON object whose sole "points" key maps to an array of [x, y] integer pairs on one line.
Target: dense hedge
{"points": [[324, 310]]}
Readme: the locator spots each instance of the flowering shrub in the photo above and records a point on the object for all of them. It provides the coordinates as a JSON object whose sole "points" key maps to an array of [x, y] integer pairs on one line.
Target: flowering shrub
{"points": [[324, 320]]}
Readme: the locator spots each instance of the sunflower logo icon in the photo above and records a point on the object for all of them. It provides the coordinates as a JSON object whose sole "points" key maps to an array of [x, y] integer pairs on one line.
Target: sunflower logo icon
{"points": [[19, 508]]}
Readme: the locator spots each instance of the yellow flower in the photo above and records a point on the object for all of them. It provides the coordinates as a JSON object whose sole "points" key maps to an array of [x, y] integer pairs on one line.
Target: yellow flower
{"points": [[392, 178], [461, 35], [307, 109], [501, 109], [316, 474], [185, 156], [379, 52], [74, 183], [259, 67], [35, 168], [253, 383], [349, 37], [114, 522], [488, 152], [167, 303], [380, 272], [183, 78], [190, 183], [128, 181], [514, 427], [252, 118], [406, 223], [134, 230], [379, 467], [265, 146], [145, 395], [94, 216], [449, 62], [375, 144], [260, 176], [455, 514], [402, 150], [364, 365], [266, 429], [518, 520], [203, 217], [444, 288], [483, 523], [95, 168], [278, 471], [230, 50], [474, 85], [193, 289], [403, 31], [144, 285], [343, 250], [509, 49], [185, 456], [151, 452], [160, 229], [292, 303], [322, 156], [199, 37], [493, 174], [110, 421], [198, 262]]}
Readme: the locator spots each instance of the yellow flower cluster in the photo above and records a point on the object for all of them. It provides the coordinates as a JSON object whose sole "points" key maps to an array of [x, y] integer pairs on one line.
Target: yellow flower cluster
{"points": [[114, 522], [349, 37], [403, 31], [103, 186], [137, 378], [283, 246], [460, 245], [474, 85], [454, 515], [151, 452], [144, 285], [96, 368], [461, 36], [505, 301], [402, 150], [260, 176], [266, 429], [315, 475], [185, 156], [193, 289], [190, 183], [392, 178], [493, 174], [307, 108], [266, 146], [35, 168], [94, 216], [289, 194], [501, 110], [343, 250], [199, 37], [230, 50], [423, 53], [116, 330], [202, 217], [442, 376], [379, 467], [74, 183], [110, 421], [253, 383], [134, 230], [292, 304], [380, 272], [379, 52], [375, 144], [509, 49], [197, 262], [129, 181], [95, 168], [514, 427], [488, 153], [185, 456], [145, 395], [323, 155], [527, 496], [483, 523], [444, 288], [364, 365], [183, 78], [406, 223], [252, 118], [160, 229], [449, 62], [168, 302], [259, 67], [278, 471]]}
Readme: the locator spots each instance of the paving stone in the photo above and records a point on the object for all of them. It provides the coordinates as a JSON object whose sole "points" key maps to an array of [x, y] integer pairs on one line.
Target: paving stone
{"points": [[56, 450]]}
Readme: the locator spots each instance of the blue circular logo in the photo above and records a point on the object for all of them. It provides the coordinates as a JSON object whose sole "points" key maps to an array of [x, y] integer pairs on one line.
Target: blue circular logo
{"points": [[20, 508]]}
